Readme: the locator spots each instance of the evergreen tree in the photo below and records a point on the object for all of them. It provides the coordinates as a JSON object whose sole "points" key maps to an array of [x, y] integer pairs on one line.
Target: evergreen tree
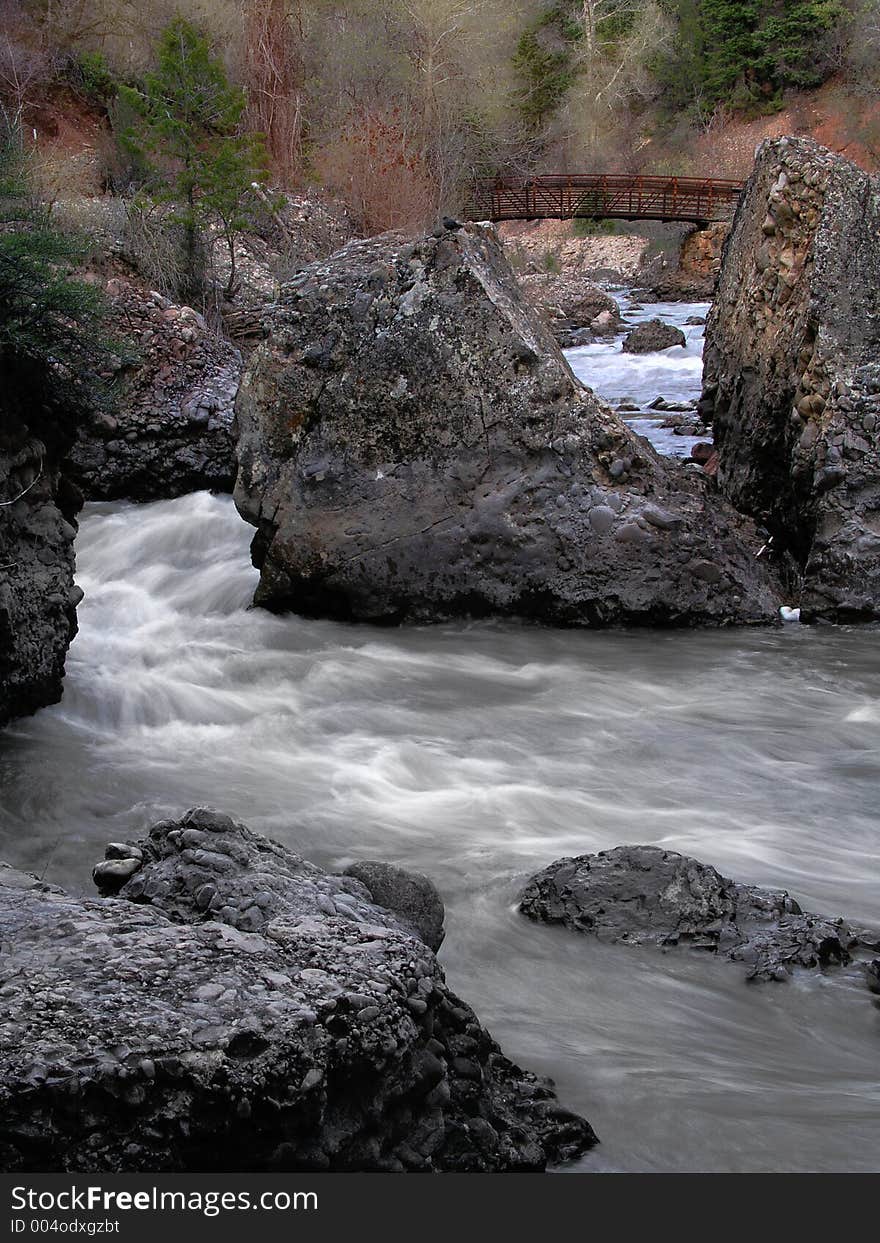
{"points": [[745, 53], [188, 139]]}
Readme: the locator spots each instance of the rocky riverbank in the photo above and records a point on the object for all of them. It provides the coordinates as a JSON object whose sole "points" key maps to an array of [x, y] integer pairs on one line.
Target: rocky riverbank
{"points": [[236, 1008], [175, 387]]}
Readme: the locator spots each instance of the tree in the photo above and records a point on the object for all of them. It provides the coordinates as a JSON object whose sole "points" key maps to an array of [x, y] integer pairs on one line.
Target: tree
{"points": [[274, 39], [187, 135], [52, 344], [746, 52]]}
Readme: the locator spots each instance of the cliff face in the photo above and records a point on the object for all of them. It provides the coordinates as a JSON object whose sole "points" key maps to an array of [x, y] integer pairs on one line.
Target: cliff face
{"points": [[413, 446], [792, 370], [38, 597]]}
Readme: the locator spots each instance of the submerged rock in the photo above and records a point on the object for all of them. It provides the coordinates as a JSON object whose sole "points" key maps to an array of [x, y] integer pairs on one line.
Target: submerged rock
{"points": [[792, 370], [413, 446], [38, 596], [172, 430], [644, 895], [244, 1010], [651, 337]]}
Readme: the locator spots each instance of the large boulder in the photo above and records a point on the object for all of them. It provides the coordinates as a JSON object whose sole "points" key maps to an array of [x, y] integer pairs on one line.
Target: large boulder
{"points": [[792, 370], [644, 895], [651, 337], [245, 1011], [171, 431], [413, 446], [38, 596]]}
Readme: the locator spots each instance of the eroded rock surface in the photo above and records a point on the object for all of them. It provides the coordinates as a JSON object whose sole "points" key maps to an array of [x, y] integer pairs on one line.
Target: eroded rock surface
{"points": [[413, 446], [644, 895], [38, 596], [171, 432], [792, 370], [236, 1008]]}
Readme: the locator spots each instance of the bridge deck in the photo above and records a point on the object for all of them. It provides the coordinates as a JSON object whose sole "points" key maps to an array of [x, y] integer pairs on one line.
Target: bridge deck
{"points": [[604, 196]]}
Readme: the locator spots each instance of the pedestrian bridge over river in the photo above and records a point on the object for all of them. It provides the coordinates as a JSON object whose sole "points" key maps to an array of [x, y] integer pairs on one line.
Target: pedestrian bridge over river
{"points": [[604, 196]]}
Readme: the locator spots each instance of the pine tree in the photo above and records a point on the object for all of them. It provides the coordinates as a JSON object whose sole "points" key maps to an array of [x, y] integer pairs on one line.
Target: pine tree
{"points": [[187, 136]]}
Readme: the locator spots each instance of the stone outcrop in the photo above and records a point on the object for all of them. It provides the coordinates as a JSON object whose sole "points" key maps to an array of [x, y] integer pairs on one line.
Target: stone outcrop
{"points": [[792, 370], [413, 446], [175, 386], [644, 895], [651, 336], [38, 596], [245, 1011], [699, 264]]}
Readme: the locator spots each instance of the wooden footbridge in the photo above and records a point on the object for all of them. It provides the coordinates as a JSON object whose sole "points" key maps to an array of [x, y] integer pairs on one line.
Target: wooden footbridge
{"points": [[604, 196]]}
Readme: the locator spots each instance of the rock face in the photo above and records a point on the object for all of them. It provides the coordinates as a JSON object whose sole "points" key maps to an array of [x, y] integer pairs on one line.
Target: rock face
{"points": [[643, 895], [38, 597], [245, 1011], [651, 336], [699, 263], [792, 377], [413, 446], [172, 432]]}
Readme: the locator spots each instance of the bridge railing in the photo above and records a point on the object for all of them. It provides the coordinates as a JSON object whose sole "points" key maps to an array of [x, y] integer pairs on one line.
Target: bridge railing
{"points": [[603, 196]]}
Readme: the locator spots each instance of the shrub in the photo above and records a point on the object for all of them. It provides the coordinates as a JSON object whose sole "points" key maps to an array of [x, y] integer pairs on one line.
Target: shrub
{"points": [[52, 345]]}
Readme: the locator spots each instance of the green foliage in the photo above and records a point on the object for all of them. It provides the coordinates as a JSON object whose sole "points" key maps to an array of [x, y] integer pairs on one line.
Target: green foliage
{"points": [[745, 53], [581, 227], [52, 343], [186, 137], [90, 75], [543, 64]]}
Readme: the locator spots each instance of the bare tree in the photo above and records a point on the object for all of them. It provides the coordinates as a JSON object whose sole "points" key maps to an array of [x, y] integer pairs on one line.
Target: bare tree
{"points": [[274, 38]]}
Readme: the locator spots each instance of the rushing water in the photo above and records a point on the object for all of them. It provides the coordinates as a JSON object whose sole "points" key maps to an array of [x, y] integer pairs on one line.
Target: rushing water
{"points": [[637, 379], [478, 754]]}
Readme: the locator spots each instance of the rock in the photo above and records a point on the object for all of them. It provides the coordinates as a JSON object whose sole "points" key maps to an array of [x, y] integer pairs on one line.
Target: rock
{"points": [[694, 278], [531, 246], [151, 1035], [412, 897], [652, 336], [644, 895], [605, 324], [702, 452], [38, 597], [791, 375], [172, 431], [570, 302], [413, 446]]}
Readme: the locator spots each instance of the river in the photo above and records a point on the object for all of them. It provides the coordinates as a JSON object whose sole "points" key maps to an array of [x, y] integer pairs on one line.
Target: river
{"points": [[479, 753]]}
